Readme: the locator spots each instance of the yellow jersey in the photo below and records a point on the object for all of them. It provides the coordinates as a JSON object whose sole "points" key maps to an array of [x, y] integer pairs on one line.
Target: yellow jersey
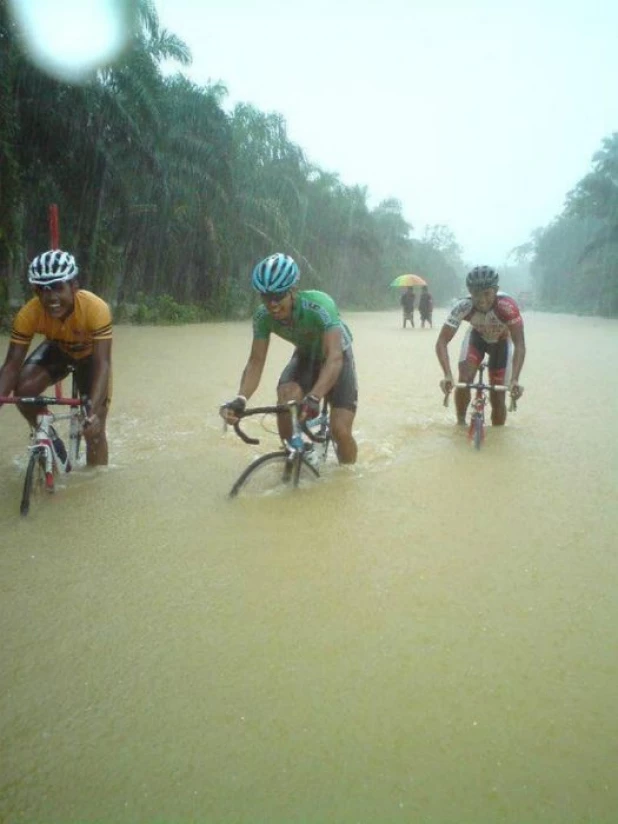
{"points": [[90, 320]]}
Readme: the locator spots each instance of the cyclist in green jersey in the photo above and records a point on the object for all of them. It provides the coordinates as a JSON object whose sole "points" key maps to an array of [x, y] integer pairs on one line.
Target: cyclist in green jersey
{"points": [[322, 365]]}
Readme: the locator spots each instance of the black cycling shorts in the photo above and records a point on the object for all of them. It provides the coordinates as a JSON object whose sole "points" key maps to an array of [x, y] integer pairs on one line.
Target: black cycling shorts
{"points": [[474, 347], [305, 370], [59, 365]]}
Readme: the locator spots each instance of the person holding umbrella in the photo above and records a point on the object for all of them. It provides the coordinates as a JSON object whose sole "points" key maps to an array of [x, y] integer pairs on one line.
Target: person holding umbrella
{"points": [[408, 299]]}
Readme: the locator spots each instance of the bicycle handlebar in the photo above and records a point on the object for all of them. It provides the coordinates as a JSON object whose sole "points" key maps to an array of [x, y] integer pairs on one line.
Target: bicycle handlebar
{"points": [[256, 410], [496, 388], [41, 400], [272, 410]]}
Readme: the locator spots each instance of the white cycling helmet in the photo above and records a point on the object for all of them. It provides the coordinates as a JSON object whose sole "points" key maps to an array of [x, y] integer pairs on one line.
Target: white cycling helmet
{"points": [[481, 278], [52, 267]]}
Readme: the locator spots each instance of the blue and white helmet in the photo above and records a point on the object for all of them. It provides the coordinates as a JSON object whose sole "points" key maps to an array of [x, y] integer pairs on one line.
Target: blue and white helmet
{"points": [[52, 267], [277, 273]]}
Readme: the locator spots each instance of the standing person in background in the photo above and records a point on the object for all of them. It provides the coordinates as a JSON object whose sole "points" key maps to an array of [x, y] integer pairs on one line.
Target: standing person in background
{"points": [[77, 326], [322, 365], [425, 307], [497, 328], [407, 304]]}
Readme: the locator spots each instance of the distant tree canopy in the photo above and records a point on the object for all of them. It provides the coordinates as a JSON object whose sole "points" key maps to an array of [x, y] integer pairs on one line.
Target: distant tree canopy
{"points": [[574, 260], [163, 193]]}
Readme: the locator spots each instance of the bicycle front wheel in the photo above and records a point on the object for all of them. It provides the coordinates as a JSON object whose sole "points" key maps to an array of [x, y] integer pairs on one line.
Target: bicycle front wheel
{"points": [[477, 431], [34, 482], [272, 474]]}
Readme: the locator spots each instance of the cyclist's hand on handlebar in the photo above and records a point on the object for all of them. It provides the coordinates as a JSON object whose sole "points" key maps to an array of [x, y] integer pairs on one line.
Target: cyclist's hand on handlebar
{"points": [[446, 385], [92, 425], [309, 408], [516, 390], [231, 410]]}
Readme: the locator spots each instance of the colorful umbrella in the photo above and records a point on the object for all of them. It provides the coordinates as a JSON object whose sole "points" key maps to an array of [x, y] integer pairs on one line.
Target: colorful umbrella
{"points": [[409, 280]]}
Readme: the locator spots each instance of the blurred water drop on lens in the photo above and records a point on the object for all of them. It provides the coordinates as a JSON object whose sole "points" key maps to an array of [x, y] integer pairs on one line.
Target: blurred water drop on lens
{"points": [[71, 39]]}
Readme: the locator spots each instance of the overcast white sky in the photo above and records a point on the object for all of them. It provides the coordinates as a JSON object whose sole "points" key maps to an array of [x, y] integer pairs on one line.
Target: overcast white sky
{"points": [[480, 115]]}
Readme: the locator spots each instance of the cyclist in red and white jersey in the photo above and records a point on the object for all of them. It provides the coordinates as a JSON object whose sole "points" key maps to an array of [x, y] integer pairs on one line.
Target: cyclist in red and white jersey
{"points": [[496, 328]]}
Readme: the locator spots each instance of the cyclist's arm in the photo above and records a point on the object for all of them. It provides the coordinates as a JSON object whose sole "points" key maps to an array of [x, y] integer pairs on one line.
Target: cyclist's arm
{"points": [[252, 372], [447, 333], [101, 368], [331, 368], [9, 372], [519, 351]]}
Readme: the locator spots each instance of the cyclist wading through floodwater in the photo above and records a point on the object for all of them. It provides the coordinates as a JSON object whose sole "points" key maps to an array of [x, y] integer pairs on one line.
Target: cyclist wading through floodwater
{"points": [[496, 328], [77, 326], [322, 365]]}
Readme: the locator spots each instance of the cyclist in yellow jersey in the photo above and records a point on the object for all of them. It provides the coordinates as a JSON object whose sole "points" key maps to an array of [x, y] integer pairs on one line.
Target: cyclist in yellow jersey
{"points": [[77, 326]]}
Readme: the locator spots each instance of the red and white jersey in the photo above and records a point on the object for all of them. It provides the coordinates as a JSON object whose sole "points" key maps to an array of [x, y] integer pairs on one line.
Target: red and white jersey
{"points": [[492, 326]]}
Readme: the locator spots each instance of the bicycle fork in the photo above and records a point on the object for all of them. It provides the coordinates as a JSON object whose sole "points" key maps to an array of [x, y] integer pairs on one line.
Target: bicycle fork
{"points": [[42, 449], [476, 431], [52, 463]]}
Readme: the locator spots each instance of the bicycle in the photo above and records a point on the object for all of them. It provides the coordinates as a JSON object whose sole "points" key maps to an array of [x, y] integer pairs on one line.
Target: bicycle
{"points": [[47, 455], [476, 428], [298, 460]]}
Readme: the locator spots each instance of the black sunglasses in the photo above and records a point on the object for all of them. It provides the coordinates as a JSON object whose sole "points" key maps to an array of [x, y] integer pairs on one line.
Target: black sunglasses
{"points": [[274, 297], [54, 286]]}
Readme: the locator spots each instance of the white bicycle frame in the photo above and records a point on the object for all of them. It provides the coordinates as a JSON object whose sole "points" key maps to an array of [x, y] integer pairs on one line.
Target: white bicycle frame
{"points": [[42, 443]]}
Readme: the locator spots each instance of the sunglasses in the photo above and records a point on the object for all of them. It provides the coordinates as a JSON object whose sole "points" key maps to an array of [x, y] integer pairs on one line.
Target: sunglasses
{"points": [[274, 297], [54, 286]]}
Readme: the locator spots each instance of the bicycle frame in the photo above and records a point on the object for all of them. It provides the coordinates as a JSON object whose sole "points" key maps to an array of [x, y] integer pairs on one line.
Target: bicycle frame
{"points": [[478, 402], [297, 450], [42, 456]]}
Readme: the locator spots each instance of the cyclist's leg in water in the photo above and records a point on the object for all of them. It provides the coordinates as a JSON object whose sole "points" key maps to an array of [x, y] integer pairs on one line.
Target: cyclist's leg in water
{"points": [[470, 357], [295, 381], [341, 421], [96, 445], [287, 392], [500, 357], [343, 399]]}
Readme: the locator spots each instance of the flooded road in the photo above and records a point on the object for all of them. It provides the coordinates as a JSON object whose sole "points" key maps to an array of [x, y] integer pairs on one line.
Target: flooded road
{"points": [[430, 636]]}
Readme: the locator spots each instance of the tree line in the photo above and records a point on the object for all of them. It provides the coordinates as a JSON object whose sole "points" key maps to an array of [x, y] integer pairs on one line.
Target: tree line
{"points": [[574, 260], [163, 195]]}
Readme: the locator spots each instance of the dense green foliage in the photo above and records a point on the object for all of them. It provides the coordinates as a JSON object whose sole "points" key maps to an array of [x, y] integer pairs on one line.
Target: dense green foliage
{"points": [[163, 193], [574, 260]]}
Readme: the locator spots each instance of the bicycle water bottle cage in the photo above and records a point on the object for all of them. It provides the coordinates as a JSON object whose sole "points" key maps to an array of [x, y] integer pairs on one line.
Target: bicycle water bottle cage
{"points": [[60, 450], [296, 442], [311, 456]]}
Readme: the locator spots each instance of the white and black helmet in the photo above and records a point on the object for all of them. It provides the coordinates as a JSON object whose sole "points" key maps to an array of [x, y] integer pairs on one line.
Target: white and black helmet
{"points": [[52, 267], [481, 278]]}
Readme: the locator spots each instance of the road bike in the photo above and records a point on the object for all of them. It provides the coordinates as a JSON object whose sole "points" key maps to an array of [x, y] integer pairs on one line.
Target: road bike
{"points": [[48, 457], [478, 402], [299, 459]]}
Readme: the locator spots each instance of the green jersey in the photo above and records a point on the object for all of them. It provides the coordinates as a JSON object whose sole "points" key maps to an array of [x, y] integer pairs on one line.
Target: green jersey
{"points": [[313, 314]]}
